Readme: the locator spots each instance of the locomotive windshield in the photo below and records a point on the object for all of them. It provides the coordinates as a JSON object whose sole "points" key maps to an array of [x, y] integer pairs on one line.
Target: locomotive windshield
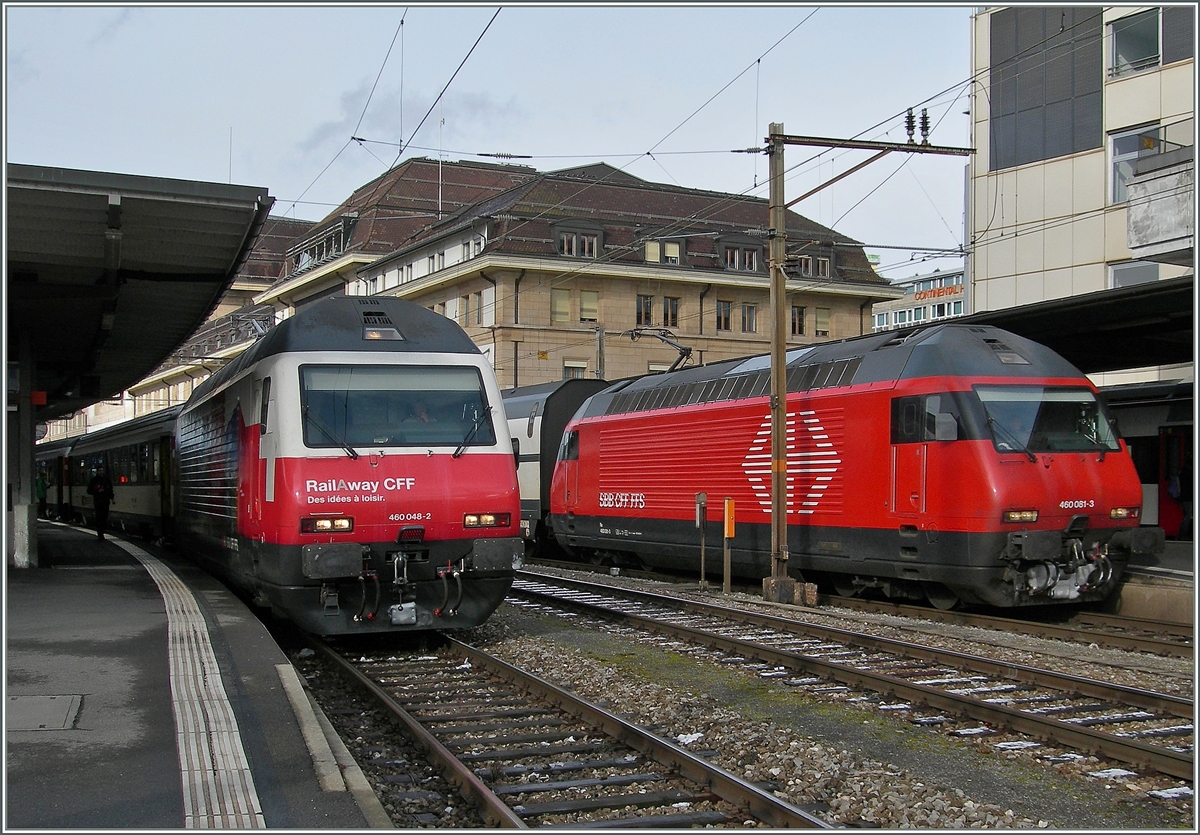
{"points": [[350, 406], [1032, 419]]}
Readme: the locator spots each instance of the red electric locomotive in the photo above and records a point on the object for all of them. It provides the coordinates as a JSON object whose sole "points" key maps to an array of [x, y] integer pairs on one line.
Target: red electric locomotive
{"points": [[957, 463], [354, 470]]}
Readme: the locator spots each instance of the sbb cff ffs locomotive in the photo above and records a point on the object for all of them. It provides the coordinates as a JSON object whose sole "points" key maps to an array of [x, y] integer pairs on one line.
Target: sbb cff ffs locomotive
{"points": [[958, 463], [353, 469]]}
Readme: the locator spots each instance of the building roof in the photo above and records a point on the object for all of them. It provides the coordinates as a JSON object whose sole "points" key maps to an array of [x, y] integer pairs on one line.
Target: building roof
{"points": [[631, 211]]}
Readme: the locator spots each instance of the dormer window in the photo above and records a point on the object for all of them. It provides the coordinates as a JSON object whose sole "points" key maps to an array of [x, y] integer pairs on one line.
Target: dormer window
{"points": [[578, 244], [743, 253], [662, 252]]}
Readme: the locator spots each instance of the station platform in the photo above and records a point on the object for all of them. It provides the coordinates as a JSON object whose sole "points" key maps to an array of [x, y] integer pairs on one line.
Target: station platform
{"points": [[1159, 586], [140, 693]]}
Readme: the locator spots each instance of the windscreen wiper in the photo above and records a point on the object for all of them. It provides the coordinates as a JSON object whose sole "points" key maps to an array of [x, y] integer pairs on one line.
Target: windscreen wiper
{"points": [[471, 434], [342, 443], [1020, 447]]}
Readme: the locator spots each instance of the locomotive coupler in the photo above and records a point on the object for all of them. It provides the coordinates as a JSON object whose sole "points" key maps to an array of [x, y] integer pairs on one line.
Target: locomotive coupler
{"points": [[455, 572], [363, 578], [329, 600]]}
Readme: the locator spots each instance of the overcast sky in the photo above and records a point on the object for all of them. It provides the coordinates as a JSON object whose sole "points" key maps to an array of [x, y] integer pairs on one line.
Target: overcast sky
{"points": [[272, 96]]}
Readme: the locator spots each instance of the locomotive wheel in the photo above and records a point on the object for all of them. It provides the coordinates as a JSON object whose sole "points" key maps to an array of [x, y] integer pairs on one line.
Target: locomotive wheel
{"points": [[940, 596], [843, 584]]}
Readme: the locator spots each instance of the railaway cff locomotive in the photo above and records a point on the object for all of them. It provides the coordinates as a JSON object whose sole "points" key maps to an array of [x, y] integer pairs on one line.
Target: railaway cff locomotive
{"points": [[353, 470], [957, 463]]}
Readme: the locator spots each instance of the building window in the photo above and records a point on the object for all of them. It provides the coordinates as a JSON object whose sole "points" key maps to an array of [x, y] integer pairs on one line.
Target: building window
{"points": [[429, 268], [589, 305], [664, 252], [1126, 148], [1134, 43], [901, 317], [408, 272], [823, 268], [466, 250], [749, 318], [645, 310], [805, 264], [881, 321], [797, 320], [574, 369], [741, 258], [464, 310], [578, 244], [724, 316], [1133, 272], [479, 308], [670, 312], [372, 286], [918, 314], [560, 305], [958, 309], [822, 328]]}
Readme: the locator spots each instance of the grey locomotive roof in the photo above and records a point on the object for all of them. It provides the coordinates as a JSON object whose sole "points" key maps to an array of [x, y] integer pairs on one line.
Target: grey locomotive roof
{"points": [[953, 350], [337, 324]]}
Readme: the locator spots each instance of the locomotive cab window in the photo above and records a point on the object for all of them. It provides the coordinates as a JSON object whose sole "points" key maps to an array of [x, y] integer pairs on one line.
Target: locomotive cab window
{"points": [[925, 417], [1032, 419], [568, 449], [262, 408], [347, 406]]}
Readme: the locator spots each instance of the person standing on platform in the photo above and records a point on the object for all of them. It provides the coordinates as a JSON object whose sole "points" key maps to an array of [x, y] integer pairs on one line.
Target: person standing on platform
{"points": [[40, 488], [101, 491]]}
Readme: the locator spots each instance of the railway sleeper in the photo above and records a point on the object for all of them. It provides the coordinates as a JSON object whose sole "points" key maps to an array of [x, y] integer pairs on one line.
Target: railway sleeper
{"points": [[588, 783], [592, 804]]}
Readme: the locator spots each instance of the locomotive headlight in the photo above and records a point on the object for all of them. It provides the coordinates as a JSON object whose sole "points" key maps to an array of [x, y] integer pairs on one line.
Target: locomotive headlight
{"points": [[1020, 516], [1125, 513], [487, 520], [327, 524]]}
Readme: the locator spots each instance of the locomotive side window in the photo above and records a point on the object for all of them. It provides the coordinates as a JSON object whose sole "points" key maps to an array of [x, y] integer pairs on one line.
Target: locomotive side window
{"points": [[1032, 419], [395, 405], [925, 417], [568, 449]]}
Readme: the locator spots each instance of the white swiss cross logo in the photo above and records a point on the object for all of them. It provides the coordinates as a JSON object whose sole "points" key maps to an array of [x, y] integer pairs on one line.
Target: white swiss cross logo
{"points": [[811, 462]]}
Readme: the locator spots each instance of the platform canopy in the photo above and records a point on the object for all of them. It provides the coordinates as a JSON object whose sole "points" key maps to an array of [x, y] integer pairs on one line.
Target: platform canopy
{"points": [[107, 274], [1110, 330]]}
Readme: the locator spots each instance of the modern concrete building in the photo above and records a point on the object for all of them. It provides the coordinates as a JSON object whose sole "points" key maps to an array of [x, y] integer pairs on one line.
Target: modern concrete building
{"points": [[1082, 177], [927, 298]]}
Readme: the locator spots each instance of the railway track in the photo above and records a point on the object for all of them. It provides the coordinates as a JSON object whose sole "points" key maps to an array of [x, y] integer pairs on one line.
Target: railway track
{"points": [[528, 753], [1128, 725], [1158, 637]]}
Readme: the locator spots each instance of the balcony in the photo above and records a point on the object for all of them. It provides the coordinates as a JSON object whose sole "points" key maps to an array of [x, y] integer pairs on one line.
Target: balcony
{"points": [[1161, 220]]}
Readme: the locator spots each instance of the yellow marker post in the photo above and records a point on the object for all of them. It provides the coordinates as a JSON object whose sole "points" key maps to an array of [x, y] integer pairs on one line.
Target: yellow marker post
{"points": [[728, 542]]}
